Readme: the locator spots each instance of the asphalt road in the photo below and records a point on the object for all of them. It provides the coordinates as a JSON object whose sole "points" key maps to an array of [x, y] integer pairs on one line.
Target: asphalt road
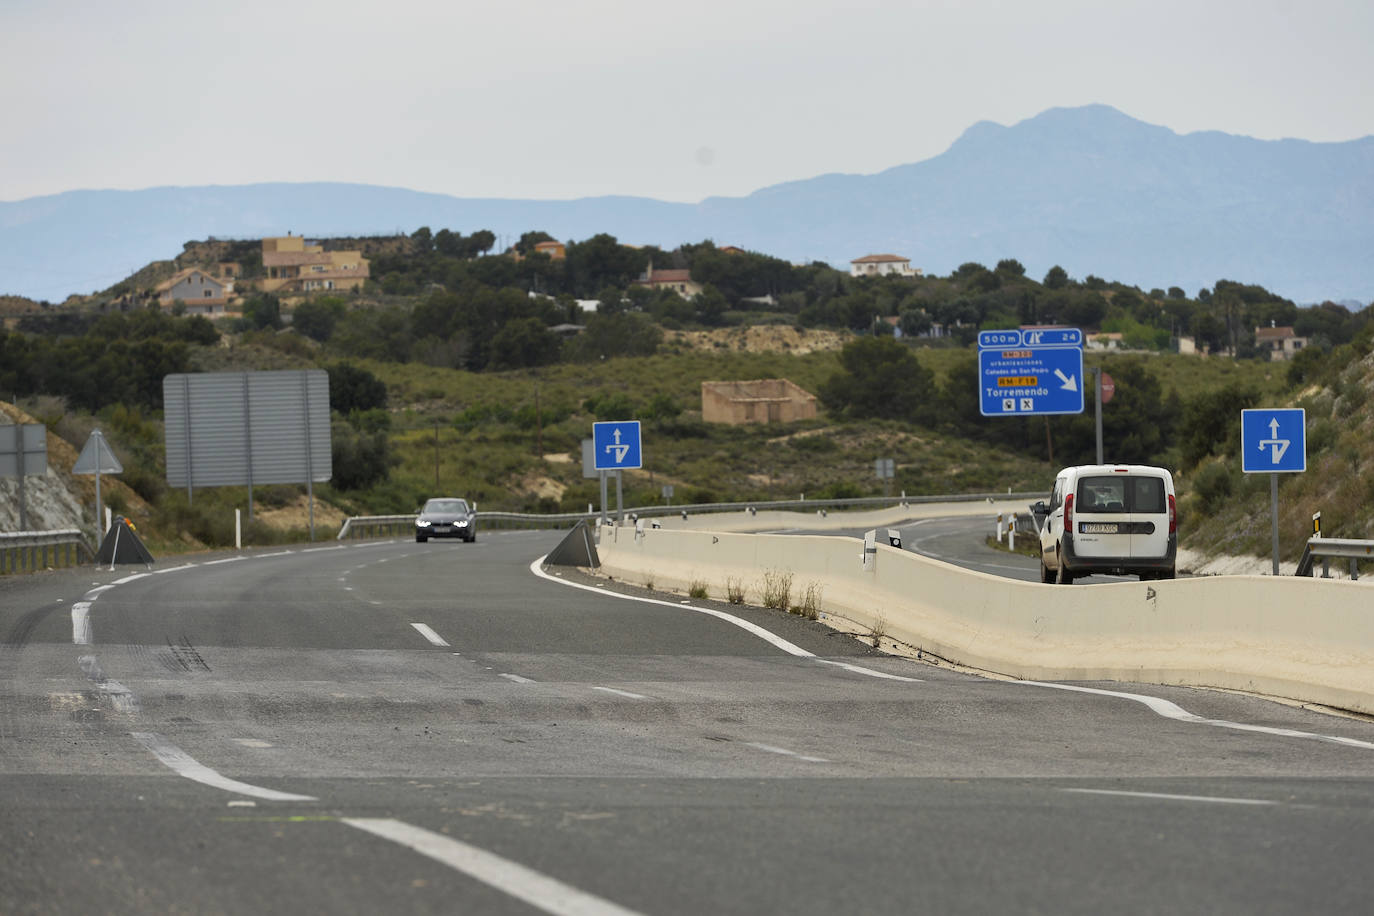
{"points": [[398, 727]]}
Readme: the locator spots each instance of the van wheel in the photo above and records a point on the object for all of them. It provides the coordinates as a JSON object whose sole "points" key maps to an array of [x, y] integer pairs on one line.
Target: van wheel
{"points": [[1062, 576], [1045, 575]]}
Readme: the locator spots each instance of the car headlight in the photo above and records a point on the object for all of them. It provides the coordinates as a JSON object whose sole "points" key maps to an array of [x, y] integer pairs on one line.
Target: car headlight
{"points": [[461, 523], [422, 523]]}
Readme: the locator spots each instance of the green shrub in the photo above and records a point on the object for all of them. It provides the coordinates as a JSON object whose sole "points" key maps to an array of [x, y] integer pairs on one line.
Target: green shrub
{"points": [[1213, 484]]}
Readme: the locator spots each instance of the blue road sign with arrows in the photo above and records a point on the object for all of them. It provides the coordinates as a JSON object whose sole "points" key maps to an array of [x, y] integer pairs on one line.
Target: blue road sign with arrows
{"points": [[1030, 372], [615, 445], [1273, 440]]}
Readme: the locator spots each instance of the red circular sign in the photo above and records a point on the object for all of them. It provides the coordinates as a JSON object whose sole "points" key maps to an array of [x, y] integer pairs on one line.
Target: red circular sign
{"points": [[1108, 388]]}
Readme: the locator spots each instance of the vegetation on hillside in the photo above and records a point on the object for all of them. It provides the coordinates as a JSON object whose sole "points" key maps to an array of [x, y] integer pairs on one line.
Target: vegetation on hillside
{"points": [[447, 375]]}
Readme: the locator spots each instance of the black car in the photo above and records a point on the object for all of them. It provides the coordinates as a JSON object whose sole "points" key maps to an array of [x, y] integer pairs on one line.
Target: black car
{"points": [[446, 518]]}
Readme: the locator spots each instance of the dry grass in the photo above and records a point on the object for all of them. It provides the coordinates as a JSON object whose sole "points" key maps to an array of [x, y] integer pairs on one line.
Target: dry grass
{"points": [[777, 589]]}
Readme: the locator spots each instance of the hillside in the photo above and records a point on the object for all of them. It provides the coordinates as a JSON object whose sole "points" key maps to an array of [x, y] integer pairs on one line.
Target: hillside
{"points": [[1088, 188]]}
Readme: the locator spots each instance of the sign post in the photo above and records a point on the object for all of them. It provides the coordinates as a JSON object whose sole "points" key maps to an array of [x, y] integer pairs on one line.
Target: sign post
{"points": [[615, 447], [23, 451], [1273, 441], [97, 458]]}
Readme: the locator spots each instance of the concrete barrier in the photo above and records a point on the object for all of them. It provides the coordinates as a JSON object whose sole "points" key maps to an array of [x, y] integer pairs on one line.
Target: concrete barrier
{"points": [[1309, 640]]}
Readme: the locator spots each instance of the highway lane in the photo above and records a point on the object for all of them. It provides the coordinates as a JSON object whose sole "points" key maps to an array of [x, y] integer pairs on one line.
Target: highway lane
{"points": [[962, 541], [544, 743]]}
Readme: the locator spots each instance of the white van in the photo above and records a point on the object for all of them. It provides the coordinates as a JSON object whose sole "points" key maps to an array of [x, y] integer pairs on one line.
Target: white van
{"points": [[1105, 518]]}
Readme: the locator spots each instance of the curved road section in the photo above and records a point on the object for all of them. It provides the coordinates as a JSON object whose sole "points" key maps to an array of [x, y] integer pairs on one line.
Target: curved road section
{"points": [[401, 727]]}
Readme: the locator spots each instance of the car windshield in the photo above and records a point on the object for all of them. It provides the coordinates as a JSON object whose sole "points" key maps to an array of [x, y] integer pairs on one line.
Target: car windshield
{"points": [[456, 506]]}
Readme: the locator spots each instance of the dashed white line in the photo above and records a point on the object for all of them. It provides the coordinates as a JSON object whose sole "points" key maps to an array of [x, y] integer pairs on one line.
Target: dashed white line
{"points": [[785, 752], [1165, 796], [425, 631], [81, 623], [622, 693], [536, 889], [183, 764], [517, 678]]}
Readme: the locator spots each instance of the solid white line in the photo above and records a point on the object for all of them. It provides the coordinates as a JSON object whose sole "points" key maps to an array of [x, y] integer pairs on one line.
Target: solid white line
{"points": [[225, 560], [1173, 711], [1165, 796], [785, 752], [319, 549], [429, 634], [517, 678], [859, 669], [758, 631], [183, 764], [128, 579], [622, 693], [81, 623], [538, 890]]}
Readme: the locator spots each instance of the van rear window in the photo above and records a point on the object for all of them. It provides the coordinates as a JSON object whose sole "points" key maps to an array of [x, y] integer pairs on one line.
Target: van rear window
{"points": [[1120, 493]]}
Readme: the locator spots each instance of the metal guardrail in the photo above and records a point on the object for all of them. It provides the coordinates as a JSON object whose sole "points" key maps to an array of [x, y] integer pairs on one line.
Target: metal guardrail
{"points": [[30, 551], [1327, 548], [366, 526]]}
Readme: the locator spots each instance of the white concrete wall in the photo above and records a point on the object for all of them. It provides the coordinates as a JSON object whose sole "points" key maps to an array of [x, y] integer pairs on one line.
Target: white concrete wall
{"points": [[1310, 640]]}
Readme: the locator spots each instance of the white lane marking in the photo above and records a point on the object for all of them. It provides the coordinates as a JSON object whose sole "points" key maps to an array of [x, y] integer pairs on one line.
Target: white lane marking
{"points": [[159, 572], [536, 889], [1173, 711], [183, 764], [785, 752], [1165, 796], [121, 697], [97, 590], [517, 678], [859, 669], [242, 803], [760, 632], [225, 560], [128, 579], [252, 742], [429, 634], [81, 623], [320, 549], [279, 553], [622, 693]]}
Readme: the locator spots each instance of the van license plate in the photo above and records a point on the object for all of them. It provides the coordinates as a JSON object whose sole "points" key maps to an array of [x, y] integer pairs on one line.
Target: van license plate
{"points": [[1100, 528]]}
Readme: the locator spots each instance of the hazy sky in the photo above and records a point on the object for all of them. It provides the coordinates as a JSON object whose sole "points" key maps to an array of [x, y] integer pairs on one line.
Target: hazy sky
{"points": [[570, 98]]}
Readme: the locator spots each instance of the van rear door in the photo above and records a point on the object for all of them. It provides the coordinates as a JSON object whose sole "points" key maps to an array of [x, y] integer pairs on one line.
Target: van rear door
{"points": [[1101, 517], [1148, 501]]}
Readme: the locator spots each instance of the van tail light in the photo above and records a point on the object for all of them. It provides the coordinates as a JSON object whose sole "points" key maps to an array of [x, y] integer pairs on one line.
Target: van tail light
{"points": [[1068, 513], [1173, 515]]}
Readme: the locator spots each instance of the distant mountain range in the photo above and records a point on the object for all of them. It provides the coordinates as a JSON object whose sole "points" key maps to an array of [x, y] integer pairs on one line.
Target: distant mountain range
{"points": [[1089, 189]]}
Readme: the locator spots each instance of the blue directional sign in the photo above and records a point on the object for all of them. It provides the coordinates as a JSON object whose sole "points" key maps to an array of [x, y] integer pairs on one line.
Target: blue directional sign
{"points": [[615, 445], [1273, 441], [1023, 381]]}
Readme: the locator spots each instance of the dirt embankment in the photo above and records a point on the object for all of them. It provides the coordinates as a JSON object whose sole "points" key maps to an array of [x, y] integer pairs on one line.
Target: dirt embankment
{"points": [[761, 338]]}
